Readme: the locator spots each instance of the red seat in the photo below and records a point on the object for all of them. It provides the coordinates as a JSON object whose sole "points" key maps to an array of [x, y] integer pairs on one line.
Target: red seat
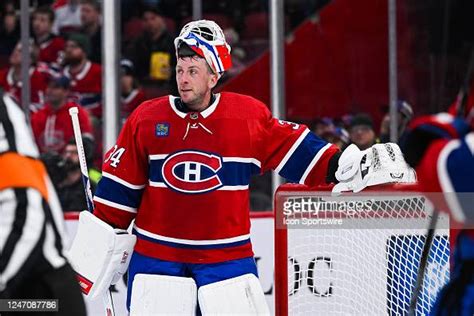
{"points": [[170, 25], [132, 29], [221, 19], [4, 61], [256, 26]]}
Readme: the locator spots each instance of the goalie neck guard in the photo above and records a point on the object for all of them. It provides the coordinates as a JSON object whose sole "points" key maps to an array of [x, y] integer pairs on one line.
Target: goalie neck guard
{"points": [[207, 40]]}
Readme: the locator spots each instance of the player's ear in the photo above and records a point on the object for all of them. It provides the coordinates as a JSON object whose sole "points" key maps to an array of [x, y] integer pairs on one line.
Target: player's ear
{"points": [[213, 80]]}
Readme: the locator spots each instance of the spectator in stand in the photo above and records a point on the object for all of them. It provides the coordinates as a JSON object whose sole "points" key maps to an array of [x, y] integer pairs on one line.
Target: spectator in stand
{"points": [[70, 188], [52, 125], [321, 126], [405, 114], [337, 136], [238, 53], [11, 81], [153, 53], [86, 83], [91, 27], [50, 46], [132, 94], [68, 16], [9, 29], [362, 131], [345, 121], [85, 76]]}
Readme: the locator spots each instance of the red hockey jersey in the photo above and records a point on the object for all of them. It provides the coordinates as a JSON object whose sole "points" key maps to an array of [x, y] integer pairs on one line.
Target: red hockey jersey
{"points": [[39, 77], [184, 177], [51, 50], [132, 101], [53, 128], [86, 87]]}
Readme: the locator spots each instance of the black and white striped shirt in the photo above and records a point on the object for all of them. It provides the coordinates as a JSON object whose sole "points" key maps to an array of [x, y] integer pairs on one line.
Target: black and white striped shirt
{"points": [[31, 220]]}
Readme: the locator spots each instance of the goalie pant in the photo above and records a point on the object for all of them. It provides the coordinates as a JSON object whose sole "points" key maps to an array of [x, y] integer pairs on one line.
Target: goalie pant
{"points": [[448, 167], [32, 264], [202, 274]]}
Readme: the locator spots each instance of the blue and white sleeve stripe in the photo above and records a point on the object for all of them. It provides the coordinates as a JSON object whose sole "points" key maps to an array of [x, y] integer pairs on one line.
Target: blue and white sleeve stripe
{"points": [[302, 157], [118, 193]]}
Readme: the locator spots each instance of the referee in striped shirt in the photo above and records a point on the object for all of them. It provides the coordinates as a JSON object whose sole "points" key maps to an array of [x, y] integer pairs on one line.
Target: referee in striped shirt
{"points": [[32, 263]]}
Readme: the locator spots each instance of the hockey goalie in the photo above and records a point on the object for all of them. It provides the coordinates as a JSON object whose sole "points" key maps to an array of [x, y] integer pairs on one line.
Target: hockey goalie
{"points": [[181, 169]]}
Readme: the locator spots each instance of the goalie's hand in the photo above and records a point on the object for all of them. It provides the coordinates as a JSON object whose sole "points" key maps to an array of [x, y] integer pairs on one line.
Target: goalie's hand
{"points": [[382, 163]]}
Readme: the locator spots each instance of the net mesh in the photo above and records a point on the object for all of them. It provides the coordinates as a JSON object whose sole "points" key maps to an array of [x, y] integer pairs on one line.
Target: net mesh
{"points": [[367, 262]]}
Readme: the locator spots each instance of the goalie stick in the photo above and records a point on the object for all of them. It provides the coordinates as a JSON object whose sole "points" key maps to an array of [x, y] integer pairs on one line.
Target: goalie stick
{"points": [[424, 261], [73, 112]]}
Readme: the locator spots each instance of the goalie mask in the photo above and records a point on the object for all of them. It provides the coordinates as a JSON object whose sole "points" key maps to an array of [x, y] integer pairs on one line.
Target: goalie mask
{"points": [[207, 40]]}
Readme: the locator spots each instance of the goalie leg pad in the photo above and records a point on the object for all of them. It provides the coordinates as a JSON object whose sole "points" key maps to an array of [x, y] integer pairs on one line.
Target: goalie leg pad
{"points": [[163, 295], [241, 295], [99, 254]]}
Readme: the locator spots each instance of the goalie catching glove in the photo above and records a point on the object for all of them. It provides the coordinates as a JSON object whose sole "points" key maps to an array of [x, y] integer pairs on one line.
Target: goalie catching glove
{"points": [[381, 163], [99, 254]]}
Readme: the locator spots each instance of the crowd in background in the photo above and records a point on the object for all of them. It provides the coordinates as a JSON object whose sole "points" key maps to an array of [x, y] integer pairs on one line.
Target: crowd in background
{"points": [[65, 52], [359, 128]]}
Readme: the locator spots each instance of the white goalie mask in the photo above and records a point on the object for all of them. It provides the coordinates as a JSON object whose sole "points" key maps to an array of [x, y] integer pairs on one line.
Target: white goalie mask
{"points": [[380, 164], [208, 41]]}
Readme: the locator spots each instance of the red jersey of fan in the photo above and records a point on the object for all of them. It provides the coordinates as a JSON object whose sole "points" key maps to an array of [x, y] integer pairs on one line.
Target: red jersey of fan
{"points": [[86, 87], [50, 50], [132, 101], [53, 128], [39, 77], [184, 177]]}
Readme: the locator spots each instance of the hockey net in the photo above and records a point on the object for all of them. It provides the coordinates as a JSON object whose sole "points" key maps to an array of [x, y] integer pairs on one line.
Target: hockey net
{"points": [[356, 254]]}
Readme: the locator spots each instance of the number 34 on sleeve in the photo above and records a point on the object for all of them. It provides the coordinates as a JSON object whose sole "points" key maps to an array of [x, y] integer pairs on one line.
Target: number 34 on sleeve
{"points": [[115, 156]]}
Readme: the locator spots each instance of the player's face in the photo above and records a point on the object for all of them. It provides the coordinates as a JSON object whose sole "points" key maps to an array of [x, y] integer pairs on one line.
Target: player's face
{"points": [[41, 24], [195, 82]]}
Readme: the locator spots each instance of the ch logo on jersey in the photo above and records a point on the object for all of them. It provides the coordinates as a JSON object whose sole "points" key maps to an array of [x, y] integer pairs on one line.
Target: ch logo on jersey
{"points": [[192, 171]]}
